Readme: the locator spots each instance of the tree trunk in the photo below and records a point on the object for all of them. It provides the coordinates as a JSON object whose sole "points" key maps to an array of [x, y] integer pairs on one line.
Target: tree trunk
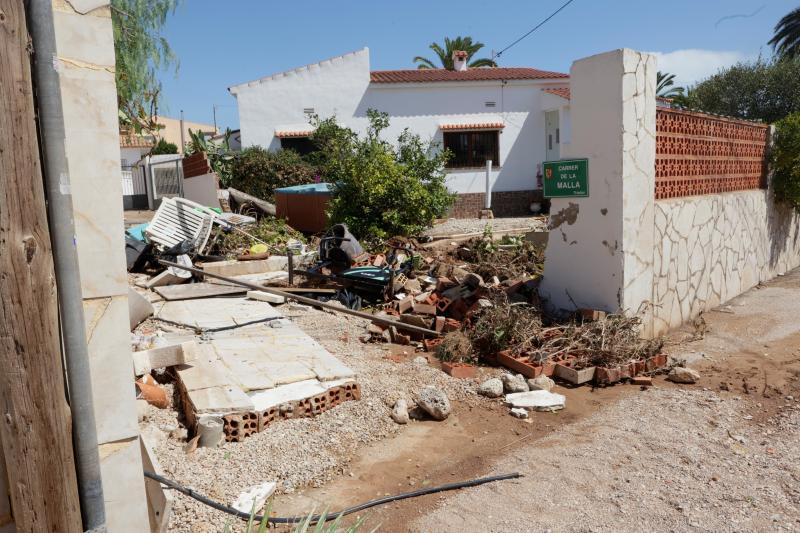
{"points": [[34, 416]]}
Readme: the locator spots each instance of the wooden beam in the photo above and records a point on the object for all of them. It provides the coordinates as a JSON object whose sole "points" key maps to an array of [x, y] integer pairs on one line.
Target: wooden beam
{"points": [[34, 416]]}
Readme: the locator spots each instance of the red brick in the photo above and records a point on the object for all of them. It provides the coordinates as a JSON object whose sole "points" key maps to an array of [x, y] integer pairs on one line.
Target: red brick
{"points": [[459, 370], [644, 381]]}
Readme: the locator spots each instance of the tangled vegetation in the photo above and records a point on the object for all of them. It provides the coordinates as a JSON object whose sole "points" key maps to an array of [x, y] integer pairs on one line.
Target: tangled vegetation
{"points": [[259, 172], [273, 231]]}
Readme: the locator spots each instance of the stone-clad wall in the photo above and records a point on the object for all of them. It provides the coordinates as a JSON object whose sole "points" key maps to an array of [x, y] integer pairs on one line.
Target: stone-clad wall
{"points": [[711, 248]]}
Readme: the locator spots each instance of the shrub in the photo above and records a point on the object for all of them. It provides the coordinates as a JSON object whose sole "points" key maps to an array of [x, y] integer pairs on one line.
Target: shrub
{"points": [[786, 160], [163, 147], [259, 172], [380, 189]]}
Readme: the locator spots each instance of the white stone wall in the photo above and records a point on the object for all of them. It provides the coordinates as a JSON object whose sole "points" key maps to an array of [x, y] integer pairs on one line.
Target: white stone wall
{"points": [[600, 249], [711, 248], [341, 86], [85, 65]]}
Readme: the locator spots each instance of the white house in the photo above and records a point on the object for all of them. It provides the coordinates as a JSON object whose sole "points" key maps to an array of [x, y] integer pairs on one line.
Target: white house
{"points": [[516, 117]]}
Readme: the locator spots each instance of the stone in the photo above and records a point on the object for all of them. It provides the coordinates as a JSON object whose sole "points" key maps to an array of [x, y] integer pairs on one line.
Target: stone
{"points": [[400, 412], [434, 402], [412, 286], [491, 388], [538, 400], [419, 361], [472, 280], [512, 383], [266, 297], [541, 382], [518, 412], [681, 374]]}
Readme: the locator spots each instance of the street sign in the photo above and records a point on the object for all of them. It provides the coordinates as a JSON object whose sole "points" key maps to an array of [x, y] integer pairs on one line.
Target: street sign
{"points": [[568, 178]]}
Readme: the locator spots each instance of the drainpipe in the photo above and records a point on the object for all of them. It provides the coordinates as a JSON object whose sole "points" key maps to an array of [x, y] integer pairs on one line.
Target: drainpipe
{"points": [[488, 200], [68, 279]]}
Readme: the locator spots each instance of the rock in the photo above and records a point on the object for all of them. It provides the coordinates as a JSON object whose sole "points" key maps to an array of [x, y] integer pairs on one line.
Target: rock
{"points": [[473, 281], [538, 400], [681, 374], [512, 383], [400, 412], [541, 382], [419, 360], [434, 402], [491, 388], [518, 412], [412, 286]]}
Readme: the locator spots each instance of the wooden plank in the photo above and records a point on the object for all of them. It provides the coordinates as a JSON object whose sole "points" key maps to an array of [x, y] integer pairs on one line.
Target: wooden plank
{"points": [[35, 433], [191, 291], [159, 501]]}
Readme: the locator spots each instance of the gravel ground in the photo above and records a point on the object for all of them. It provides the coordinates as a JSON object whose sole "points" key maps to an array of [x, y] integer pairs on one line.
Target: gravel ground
{"points": [[662, 460], [456, 226], [302, 452]]}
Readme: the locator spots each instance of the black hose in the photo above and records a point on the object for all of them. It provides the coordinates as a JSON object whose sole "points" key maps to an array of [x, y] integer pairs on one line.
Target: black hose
{"points": [[328, 516]]}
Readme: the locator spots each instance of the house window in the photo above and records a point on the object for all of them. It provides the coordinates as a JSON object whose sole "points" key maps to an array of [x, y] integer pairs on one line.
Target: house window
{"points": [[472, 148], [301, 145]]}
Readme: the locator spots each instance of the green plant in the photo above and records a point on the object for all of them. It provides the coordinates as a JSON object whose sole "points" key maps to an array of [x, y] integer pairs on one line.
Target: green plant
{"points": [[164, 147], [380, 189], [786, 41], [140, 52], [218, 152], [273, 231], [445, 54], [305, 526], [259, 172], [766, 90], [785, 160]]}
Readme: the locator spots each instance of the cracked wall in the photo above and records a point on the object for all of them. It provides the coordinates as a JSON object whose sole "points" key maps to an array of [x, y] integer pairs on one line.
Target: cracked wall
{"points": [[600, 251], [85, 67], [711, 248]]}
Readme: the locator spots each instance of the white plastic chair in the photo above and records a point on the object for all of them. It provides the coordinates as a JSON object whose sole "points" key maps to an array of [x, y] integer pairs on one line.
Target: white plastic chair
{"points": [[178, 219]]}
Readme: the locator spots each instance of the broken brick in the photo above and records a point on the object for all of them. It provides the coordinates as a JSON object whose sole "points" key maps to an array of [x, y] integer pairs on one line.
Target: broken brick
{"points": [[459, 370], [644, 381], [424, 309]]}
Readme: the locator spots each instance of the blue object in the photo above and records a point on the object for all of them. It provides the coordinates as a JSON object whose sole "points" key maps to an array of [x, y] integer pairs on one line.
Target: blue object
{"points": [[309, 188], [137, 232]]}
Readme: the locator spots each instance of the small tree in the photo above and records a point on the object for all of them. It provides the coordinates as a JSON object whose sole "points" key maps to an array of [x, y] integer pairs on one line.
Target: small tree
{"points": [[163, 147], [786, 160], [259, 172], [381, 189]]}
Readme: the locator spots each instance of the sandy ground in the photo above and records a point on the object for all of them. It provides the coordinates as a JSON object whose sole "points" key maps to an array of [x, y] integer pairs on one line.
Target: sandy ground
{"points": [[458, 226], [722, 455]]}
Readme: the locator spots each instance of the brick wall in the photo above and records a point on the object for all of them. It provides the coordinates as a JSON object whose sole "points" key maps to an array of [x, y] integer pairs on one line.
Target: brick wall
{"points": [[504, 204]]}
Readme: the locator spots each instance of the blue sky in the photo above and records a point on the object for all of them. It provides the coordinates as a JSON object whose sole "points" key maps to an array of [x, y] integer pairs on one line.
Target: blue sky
{"points": [[220, 44]]}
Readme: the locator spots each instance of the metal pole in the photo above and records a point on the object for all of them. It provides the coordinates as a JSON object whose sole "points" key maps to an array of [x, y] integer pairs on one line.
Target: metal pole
{"points": [[68, 279], [183, 140], [307, 301], [488, 202]]}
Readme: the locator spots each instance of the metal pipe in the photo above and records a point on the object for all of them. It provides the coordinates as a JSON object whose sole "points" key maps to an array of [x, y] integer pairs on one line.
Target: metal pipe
{"points": [[488, 200], [307, 301], [65, 256]]}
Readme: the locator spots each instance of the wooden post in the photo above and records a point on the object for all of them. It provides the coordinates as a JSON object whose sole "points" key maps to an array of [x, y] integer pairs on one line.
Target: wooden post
{"points": [[34, 416]]}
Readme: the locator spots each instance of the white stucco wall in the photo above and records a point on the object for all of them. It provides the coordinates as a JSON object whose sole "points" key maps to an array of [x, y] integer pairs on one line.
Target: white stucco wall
{"points": [[600, 248], [341, 87], [711, 248]]}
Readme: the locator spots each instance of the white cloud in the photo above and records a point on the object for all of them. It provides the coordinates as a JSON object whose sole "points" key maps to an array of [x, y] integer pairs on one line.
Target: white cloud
{"points": [[693, 65]]}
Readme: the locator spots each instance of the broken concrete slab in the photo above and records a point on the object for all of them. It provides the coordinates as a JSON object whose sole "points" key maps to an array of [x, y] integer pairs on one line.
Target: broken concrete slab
{"points": [[191, 291], [537, 400], [253, 499], [164, 356], [139, 308], [266, 297], [165, 278]]}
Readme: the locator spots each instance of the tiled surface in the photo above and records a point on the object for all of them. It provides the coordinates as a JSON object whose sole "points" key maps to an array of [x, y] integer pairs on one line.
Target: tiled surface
{"points": [[250, 359]]}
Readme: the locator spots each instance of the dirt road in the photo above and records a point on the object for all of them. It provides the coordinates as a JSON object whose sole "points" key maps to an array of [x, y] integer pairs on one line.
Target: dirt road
{"points": [[722, 455]]}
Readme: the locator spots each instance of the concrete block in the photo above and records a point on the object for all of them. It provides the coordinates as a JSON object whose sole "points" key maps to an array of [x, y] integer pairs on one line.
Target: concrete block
{"points": [[139, 308], [164, 356], [266, 297]]}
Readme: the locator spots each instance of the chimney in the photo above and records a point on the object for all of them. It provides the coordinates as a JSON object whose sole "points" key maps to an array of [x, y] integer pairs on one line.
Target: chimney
{"points": [[459, 60]]}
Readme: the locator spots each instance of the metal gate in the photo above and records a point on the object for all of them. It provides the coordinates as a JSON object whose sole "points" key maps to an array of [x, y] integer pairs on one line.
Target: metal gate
{"points": [[134, 188], [165, 179]]}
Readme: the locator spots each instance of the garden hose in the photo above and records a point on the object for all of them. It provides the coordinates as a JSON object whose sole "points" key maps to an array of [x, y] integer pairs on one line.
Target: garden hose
{"points": [[328, 516]]}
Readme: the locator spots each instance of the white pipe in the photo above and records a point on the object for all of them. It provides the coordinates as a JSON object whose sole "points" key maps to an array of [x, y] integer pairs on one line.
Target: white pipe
{"points": [[488, 202]]}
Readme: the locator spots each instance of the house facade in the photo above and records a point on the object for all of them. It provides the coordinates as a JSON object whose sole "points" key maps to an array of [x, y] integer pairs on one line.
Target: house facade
{"points": [[515, 117]]}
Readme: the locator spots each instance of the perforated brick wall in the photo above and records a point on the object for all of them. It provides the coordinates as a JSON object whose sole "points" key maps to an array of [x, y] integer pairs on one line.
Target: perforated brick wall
{"points": [[697, 153]]}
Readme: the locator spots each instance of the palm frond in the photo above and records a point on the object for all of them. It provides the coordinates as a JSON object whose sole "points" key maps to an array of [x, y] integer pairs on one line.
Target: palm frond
{"points": [[484, 62], [786, 40], [424, 62]]}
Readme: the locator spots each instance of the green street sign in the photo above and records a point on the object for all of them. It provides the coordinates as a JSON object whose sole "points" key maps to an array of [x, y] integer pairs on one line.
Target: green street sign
{"points": [[568, 178]]}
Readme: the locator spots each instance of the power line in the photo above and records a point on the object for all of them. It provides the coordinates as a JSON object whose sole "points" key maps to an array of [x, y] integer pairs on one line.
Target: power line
{"points": [[553, 14]]}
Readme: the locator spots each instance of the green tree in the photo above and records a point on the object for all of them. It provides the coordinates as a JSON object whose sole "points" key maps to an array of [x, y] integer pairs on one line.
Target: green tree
{"points": [[445, 54], [665, 85], [785, 159], [381, 189], [164, 147], [766, 90], [140, 51], [786, 40]]}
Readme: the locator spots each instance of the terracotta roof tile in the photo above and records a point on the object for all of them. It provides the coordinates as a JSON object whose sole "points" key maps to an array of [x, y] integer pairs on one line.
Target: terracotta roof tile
{"points": [[474, 126], [563, 92], [131, 140], [291, 134], [475, 74]]}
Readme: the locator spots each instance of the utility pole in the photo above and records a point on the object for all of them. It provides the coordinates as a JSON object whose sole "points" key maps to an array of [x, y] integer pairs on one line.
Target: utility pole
{"points": [[183, 140], [214, 107], [34, 415]]}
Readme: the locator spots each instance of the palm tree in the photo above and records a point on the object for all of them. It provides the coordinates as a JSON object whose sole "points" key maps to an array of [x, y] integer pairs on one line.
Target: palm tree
{"points": [[665, 85], [446, 54], [786, 41]]}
